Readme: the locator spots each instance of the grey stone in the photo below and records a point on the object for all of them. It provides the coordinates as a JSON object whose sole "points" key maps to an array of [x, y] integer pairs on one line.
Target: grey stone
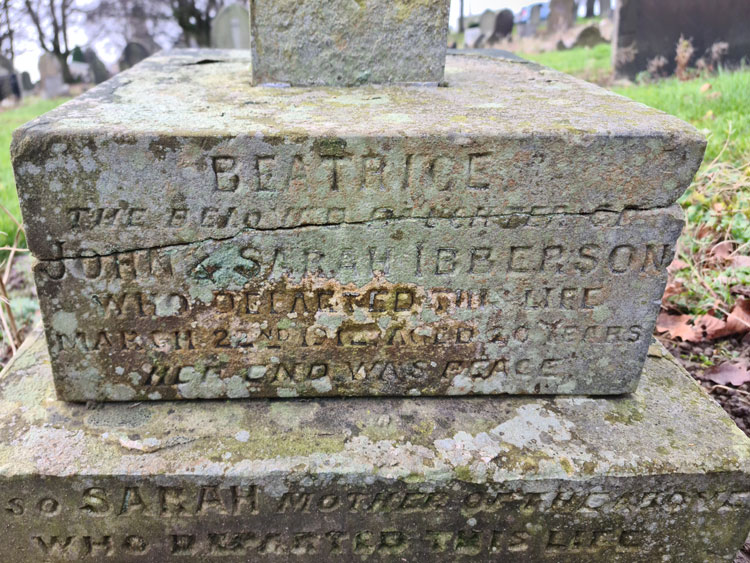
{"points": [[472, 35], [487, 22], [28, 85], [230, 29], [99, 72], [589, 36], [661, 475], [338, 241], [346, 42], [50, 76], [503, 26], [132, 54], [645, 29]]}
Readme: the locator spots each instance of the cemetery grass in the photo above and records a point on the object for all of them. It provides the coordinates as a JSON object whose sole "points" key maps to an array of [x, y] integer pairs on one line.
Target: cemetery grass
{"points": [[9, 120], [17, 279]]}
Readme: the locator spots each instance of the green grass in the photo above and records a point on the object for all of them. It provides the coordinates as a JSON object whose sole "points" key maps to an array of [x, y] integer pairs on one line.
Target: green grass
{"points": [[9, 120], [590, 63], [717, 111]]}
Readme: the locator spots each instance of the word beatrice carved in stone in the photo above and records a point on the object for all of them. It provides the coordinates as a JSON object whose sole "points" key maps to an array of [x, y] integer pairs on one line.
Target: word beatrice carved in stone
{"points": [[384, 240], [511, 479]]}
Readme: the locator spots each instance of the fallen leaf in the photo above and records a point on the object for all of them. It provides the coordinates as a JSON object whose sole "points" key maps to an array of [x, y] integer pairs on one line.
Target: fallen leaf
{"points": [[741, 261], [733, 373], [678, 326], [709, 327], [738, 321], [677, 265], [674, 287], [709, 115], [714, 96], [706, 87], [723, 250]]}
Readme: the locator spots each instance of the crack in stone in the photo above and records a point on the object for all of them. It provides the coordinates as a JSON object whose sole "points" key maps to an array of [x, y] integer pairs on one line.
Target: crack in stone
{"points": [[384, 220]]}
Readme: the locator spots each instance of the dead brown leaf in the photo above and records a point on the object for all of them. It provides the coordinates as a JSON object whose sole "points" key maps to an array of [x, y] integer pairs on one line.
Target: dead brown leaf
{"points": [[678, 326], [709, 327], [706, 87], [741, 261], [729, 373], [723, 250], [677, 265]]}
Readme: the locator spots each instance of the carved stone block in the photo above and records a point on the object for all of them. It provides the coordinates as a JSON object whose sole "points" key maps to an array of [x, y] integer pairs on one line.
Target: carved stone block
{"points": [[348, 42], [508, 233], [662, 475]]}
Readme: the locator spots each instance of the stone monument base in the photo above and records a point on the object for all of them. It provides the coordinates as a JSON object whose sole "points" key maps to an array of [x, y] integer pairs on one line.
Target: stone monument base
{"points": [[659, 475]]}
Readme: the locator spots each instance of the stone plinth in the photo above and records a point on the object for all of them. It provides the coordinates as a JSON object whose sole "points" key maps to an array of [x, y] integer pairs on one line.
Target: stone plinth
{"points": [[348, 43], [199, 237], [661, 475]]}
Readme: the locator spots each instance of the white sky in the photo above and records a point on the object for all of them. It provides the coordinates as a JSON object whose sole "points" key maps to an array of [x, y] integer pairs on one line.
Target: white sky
{"points": [[27, 51]]}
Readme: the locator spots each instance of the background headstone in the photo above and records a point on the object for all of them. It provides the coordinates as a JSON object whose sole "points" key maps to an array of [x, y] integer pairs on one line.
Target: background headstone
{"points": [[503, 26], [26, 82], [99, 72], [472, 36], [645, 29], [132, 54], [487, 23], [529, 29], [230, 29], [589, 36], [50, 76]]}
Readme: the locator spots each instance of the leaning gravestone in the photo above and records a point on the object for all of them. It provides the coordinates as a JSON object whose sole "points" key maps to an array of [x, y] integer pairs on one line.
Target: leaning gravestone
{"points": [[98, 71], [230, 29], [237, 241]]}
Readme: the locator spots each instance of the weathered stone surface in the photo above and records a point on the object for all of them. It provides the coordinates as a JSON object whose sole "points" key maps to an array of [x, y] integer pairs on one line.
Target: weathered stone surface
{"points": [[297, 246], [348, 43], [138, 162], [661, 475], [417, 307]]}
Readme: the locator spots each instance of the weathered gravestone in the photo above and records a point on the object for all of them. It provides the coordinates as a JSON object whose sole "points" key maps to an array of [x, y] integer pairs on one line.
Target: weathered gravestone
{"points": [[230, 29], [487, 23], [645, 29], [503, 26], [350, 241], [26, 82], [529, 29], [99, 72], [51, 77], [132, 54], [346, 43], [661, 475], [508, 231]]}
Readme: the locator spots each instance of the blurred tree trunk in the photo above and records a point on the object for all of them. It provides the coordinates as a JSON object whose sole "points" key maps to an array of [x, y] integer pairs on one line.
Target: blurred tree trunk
{"points": [[461, 17], [605, 8], [561, 15], [590, 4]]}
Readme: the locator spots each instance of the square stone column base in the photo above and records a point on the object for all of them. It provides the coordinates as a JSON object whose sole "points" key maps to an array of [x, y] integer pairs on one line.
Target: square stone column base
{"points": [[659, 475]]}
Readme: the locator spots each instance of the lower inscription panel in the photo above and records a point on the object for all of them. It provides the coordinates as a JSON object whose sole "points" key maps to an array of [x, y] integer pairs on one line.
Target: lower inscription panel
{"points": [[328, 519]]}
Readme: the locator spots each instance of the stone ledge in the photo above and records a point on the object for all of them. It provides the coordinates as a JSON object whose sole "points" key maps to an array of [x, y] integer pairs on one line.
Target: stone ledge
{"points": [[662, 474]]}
